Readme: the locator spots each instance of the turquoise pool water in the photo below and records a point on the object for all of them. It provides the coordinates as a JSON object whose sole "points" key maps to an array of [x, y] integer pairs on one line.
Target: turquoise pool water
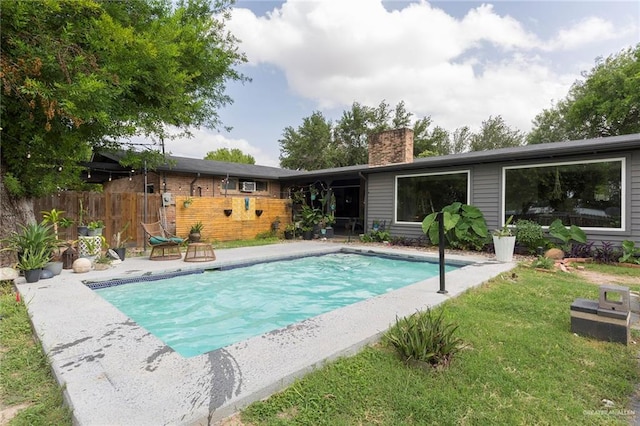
{"points": [[198, 313]]}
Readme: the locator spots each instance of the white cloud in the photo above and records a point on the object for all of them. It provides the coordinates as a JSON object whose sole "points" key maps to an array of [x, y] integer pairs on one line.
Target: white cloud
{"points": [[459, 71], [205, 140], [586, 31]]}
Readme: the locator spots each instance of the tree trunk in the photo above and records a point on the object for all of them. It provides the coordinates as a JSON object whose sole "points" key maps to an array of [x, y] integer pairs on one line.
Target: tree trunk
{"points": [[13, 211]]}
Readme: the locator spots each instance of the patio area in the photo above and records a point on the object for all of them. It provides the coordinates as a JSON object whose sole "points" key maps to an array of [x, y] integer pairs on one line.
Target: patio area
{"points": [[116, 372]]}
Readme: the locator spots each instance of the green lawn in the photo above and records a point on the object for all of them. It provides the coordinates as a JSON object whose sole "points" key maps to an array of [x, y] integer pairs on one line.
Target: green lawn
{"points": [[25, 374], [522, 365]]}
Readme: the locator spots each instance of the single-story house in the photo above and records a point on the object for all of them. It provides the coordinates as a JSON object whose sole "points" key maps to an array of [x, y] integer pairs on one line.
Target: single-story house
{"points": [[592, 183]]}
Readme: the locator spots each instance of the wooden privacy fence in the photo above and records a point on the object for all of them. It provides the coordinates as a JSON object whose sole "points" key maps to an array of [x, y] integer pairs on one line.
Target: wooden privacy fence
{"points": [[231, 218], [114, 209], [247, 216]]}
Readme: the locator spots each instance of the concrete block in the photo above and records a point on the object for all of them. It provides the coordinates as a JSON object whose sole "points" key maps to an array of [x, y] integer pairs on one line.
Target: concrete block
{"points": [[587, 319], [614, 297]]}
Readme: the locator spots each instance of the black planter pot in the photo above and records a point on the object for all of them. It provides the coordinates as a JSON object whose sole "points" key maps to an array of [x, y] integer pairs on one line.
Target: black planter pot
{"points": [[121, 251], [288, 235], [194, 237], [329, 233], [83, 231], [32, 275], [307, 235]]}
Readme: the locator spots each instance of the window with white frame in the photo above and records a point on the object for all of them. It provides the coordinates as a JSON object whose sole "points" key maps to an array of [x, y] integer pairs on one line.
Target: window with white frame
{"points": [[589, 194], [420, 195]]}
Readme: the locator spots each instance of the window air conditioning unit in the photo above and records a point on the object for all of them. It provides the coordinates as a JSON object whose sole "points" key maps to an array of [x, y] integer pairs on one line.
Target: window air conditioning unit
{"points": [[248, 186]]}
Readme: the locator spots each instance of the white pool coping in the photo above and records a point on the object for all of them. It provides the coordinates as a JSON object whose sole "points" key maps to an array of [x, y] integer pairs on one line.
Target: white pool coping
{"points": [[117, 373]]}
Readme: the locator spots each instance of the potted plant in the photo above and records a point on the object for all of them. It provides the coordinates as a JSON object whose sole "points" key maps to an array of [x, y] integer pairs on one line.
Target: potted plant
{"points": [[187, 202], [102, 262], [82, 227], [310, 217], [307, 232], [275, 225], [34, 237], [313, 192], [289, 231], [504, 242], [57, 220], [95, 227], [31, 263], [329, 220], [90, 247], [118, 242], [195, 232]]}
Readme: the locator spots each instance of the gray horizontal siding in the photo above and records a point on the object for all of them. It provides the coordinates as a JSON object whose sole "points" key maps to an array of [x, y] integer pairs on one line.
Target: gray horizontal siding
{"points": [[380, 198], [486, 194]]}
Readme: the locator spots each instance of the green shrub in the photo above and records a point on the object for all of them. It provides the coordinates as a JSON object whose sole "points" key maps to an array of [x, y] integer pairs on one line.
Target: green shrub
{"points": [[375, 237], [425, 336], [265, 235], [630, 254], [464, 227], [543, 263], [567, 235], [530, 235]]}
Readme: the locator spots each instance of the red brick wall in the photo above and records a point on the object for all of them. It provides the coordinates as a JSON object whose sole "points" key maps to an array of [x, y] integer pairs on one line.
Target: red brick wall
{"points": [[391, 147]]}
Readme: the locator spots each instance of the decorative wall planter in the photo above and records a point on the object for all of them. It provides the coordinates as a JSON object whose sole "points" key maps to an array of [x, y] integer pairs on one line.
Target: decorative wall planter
{"points": [[503, 247], [227, 212], [258, 213]]}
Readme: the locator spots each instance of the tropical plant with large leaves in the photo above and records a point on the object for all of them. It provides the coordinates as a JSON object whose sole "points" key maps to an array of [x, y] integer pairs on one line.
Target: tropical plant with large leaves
{"points": [[464, 226]]}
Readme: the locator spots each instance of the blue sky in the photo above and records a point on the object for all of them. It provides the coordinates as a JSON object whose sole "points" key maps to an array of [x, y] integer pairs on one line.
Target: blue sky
{"points": [[458, 62]]}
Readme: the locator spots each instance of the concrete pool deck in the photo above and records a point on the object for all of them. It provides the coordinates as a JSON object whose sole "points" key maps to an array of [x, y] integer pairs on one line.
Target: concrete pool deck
{"points": [[117, 373]]}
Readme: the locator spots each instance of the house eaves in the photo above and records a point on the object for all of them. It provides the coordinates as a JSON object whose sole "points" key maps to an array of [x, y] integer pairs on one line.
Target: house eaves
{"points": [[555, 150]]}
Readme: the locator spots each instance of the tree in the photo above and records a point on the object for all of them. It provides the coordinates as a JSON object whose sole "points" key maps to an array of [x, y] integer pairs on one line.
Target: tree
{"points": [[233, 155], [495, 134], [354, 128], [80, 75], [460, 140], [310, 147], [317, 144], [429, 143], [605, 103], [551, 126]]}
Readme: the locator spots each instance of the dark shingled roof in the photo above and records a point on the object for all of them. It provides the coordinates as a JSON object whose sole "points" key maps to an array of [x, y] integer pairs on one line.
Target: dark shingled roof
{"points": [[528, 152]]}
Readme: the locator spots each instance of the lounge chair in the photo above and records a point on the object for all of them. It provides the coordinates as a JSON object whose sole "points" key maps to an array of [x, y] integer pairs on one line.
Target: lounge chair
{"points": [[164, 246]]}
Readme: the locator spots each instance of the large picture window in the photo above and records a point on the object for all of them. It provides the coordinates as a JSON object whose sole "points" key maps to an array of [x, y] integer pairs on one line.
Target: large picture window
{"points": [[587, 194], [420, 195]]}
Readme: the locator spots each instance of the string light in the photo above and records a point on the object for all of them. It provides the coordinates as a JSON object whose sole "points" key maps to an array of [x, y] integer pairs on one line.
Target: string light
{"points": [[129, 177], [109, 176], [28, 154], [59, 168], [89, 174]]}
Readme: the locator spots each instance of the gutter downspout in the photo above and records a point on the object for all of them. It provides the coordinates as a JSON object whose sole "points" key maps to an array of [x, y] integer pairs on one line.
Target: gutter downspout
{"points": [[192, 183], [365, 200]]}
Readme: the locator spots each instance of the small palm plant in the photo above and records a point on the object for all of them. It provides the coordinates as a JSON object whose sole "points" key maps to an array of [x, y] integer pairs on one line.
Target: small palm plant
{"points": [[425, 337]]}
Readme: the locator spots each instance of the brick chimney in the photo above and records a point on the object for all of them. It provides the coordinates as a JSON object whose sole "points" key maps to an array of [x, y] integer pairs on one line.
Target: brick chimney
{"points": [[391, 147]]}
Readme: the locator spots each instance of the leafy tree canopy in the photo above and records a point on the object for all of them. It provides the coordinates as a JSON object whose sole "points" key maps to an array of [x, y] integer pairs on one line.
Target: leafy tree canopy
{"points": [[605, 103], [233, 155], [79, 75], [495, 133]]}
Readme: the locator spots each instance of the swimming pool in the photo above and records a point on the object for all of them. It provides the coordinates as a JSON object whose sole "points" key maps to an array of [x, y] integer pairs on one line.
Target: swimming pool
{"points": [[198, 313]]}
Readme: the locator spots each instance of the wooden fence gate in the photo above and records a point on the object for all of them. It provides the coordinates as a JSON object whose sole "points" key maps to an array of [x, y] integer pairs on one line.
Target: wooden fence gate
{"points": [[116, 210]]}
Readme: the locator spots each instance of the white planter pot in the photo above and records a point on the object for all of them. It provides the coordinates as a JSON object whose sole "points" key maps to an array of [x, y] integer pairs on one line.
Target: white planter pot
{"points": [[504, 248]]}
